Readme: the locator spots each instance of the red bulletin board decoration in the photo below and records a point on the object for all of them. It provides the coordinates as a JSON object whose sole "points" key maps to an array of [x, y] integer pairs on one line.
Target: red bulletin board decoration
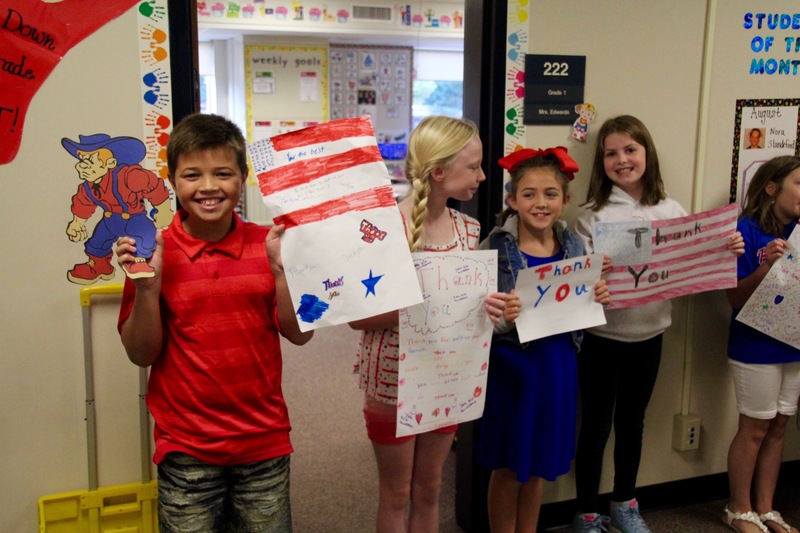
{"points": [[34, 37]]}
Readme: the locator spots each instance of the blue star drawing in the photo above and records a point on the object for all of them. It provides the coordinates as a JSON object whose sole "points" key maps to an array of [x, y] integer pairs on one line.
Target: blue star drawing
{"points": [[370, 282]]}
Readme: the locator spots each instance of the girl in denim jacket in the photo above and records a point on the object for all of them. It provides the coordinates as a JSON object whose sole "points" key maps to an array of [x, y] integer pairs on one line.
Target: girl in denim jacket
{"points": [[528, 428]]}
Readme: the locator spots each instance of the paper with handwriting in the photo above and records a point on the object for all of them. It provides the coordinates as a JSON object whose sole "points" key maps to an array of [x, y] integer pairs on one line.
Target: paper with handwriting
{"points": [[558, 297], [445, 340], [345, 249], [661, 259]]}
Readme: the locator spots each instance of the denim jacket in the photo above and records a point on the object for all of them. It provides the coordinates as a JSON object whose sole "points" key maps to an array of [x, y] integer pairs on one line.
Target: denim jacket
{"points": [[510, 261]]}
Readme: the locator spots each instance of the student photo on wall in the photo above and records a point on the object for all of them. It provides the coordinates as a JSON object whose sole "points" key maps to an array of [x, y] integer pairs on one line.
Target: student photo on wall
{"points": [[754, 138]]}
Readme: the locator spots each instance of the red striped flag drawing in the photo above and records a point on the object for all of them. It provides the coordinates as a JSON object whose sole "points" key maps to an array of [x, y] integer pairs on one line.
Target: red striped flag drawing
{"points": [[663, 259], [306, 167], [345, 250]]}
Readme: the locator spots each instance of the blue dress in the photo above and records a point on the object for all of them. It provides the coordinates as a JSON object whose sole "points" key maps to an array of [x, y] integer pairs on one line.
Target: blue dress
{"points": [[528, 423]]}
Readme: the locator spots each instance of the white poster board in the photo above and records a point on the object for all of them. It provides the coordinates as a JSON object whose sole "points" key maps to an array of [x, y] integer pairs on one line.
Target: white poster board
{"points": [[775, 305], [559, 297], [445, 340], [345, 249]]}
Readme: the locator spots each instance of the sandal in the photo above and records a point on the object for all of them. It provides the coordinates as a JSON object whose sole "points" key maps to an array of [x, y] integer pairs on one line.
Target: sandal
{"points": [[730, 517], [776, 518]]}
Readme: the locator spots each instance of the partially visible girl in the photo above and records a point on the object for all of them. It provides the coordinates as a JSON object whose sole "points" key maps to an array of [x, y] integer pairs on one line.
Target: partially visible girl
{"points": [[766, 372], [443, 162], [527, 433]]}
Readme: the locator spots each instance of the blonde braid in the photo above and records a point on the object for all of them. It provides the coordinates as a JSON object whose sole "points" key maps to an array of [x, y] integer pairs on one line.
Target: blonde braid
{"points": [[419, 212]]}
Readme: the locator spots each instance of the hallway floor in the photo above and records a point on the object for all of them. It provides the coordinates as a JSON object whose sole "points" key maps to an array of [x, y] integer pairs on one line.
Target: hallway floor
{"points": [[334, 479]]}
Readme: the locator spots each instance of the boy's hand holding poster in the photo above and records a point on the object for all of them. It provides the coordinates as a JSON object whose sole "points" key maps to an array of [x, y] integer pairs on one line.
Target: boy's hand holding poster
{"points": [[559, 297], [774, 307], [444, 341], [662, 259], [345, 250]]}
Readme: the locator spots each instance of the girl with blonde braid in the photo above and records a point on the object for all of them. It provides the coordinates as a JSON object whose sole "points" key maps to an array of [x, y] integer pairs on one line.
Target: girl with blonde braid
{"points": [[443, 162]]}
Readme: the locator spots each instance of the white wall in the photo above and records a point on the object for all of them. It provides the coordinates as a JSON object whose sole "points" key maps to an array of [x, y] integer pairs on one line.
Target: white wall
{"points": [[43, 437]]}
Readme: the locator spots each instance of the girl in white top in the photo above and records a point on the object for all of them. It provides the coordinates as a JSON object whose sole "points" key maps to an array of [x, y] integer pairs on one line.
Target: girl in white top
{"points": [[618, 362], [443, 162]]}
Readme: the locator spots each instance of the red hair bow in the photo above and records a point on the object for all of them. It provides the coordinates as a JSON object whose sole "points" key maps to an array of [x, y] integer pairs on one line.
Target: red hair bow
{"points": [[567, 165]]}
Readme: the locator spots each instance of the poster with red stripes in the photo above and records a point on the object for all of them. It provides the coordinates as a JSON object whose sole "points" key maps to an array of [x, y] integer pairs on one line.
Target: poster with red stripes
{"points": [[345, 249], [662, 259]]}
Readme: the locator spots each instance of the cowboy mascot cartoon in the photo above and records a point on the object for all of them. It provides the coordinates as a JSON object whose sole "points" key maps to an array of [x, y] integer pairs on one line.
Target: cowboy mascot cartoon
{"points": [[114, 182]]}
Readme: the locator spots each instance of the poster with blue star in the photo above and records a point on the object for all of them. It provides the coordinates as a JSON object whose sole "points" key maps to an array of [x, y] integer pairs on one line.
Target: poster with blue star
{"points": [[345, 250], [775, 305], [443, 383]]}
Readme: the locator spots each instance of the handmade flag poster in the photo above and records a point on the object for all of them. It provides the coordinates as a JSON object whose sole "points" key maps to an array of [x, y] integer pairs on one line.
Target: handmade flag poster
{"points": [[662, 259], [444, 341], [774, 306], [559, 297], [345, 250]]}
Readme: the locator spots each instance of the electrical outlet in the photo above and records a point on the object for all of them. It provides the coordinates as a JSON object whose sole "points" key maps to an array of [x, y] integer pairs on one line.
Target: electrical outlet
{"points": [[686, 432]]}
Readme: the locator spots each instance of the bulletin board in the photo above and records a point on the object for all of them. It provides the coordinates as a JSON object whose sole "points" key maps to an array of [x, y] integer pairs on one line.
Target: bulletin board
{"points": [[375, 81], [777, 121], [286, 89]]}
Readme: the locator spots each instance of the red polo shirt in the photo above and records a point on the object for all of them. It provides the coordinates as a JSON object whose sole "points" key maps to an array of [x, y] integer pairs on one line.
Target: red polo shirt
{"points": [[215, 390]]}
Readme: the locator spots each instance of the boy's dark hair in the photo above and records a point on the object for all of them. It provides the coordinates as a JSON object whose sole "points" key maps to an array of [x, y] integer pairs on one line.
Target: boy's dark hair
{"points": [[600, 184], [203, 132], [548, 161], [758, 202]]}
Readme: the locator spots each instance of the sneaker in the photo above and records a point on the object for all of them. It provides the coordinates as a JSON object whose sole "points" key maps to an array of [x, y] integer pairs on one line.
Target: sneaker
{"points": [[625, 518], [589, 523]]}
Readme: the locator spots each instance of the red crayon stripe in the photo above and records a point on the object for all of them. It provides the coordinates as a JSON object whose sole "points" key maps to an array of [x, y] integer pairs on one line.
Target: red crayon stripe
{"points": [[307, 170], [723, 215], [713, 258], [661, 285], [327, 132], [716, 228], [681, 291], [360, 201], [621, 275], [677, 246]]}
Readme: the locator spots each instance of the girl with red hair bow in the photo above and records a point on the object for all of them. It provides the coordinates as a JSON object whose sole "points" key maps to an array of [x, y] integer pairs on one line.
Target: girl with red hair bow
{"points": [[527, 433]]}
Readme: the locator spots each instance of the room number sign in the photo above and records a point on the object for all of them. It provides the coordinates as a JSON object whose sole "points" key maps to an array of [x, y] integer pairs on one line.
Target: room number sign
{"points": [[553, 87]]}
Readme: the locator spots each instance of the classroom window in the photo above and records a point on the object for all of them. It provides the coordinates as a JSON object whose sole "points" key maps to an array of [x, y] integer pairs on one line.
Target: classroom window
{"points": [[208, 81], [438, 87]]}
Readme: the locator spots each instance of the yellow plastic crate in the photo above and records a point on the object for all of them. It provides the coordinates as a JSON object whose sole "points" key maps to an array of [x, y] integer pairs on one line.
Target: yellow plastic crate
{"points": [[128, 508]]}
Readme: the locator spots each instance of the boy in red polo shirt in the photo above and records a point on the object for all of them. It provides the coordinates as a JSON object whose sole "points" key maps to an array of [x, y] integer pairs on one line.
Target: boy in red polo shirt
{"points": [[207, 324]]}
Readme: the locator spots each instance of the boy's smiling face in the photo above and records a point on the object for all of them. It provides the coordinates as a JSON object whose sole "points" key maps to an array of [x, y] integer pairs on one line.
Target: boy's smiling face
{"points": [[208, 185]]}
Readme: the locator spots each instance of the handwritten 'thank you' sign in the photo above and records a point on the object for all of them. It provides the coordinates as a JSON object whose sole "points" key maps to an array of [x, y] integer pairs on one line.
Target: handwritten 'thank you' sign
{"points": [[559, 297], [444, 341], [662, 259], [345, 249], [774, 306]]}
